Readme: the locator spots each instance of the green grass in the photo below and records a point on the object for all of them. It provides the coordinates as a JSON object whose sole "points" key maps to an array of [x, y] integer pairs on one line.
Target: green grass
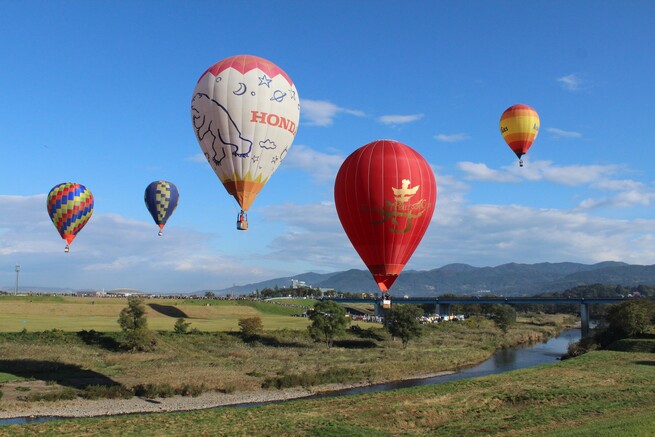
{"points": [[600, 393], [42, 313], [634, 345]]}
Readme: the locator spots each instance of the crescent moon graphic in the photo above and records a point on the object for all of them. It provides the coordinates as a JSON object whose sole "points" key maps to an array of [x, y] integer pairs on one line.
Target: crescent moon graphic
{"points": [[242, 89]]}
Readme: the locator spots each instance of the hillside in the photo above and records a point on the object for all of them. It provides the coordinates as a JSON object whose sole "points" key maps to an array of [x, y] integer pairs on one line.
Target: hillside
{"points": [[507, 279]]}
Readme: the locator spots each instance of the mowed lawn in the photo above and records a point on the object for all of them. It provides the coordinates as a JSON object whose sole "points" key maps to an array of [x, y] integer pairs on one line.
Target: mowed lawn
{"points": [[41, 313]]}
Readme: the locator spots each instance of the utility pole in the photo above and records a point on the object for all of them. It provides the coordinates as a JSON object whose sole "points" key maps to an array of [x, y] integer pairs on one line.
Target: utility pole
{"points": [[17, 271]]}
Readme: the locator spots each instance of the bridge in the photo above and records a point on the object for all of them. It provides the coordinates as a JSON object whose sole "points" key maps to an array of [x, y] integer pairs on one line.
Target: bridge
{"points": [[442, 304]]}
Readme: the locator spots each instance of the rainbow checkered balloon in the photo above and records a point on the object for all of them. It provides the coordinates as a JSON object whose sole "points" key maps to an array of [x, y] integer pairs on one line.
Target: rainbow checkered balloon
{"points": [[161, 200], [70, 206]]}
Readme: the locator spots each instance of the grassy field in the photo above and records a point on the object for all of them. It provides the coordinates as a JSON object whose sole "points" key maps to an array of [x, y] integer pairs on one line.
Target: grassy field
{"points": [[601, 394], [40, 313]]}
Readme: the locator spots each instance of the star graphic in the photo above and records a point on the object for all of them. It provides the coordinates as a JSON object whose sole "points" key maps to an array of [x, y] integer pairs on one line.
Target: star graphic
{"points": [[265, 81], [274, 160], [293, 94], [255, 158]]}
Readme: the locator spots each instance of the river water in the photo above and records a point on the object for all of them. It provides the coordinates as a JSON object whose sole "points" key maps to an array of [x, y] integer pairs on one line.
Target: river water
{"points": [[502, 361]]}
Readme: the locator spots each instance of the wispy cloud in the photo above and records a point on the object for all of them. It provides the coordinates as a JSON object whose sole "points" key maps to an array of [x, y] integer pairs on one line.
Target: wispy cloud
{"points": [[452, 138], [320, 166], [323, 113], [113, 251], [573, 82], [200, 157], [561, 133], [399, 119], [573, 175], [480, 172]]}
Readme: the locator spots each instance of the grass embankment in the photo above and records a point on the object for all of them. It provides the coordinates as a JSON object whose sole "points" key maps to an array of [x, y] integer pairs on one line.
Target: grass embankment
{"points": [[224, 361], [600, 393]]}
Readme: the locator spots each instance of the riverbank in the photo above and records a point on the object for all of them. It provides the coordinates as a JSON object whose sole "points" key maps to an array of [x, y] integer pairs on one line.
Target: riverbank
{"points": [[110, 407], [600, 393], [48, 364]]}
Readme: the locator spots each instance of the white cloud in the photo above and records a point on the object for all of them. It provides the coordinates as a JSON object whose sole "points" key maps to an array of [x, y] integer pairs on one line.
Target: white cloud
{"points": [[200, 157], [560, 133], [480, 172], [322, 167], [480, 235], [452, 138], [540, 171], [399, 119], [113, 251], [573, 82], [322, 112]]}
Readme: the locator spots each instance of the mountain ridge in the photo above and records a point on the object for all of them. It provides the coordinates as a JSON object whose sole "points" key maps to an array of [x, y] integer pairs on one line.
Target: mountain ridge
{"points": [[510, 279]]}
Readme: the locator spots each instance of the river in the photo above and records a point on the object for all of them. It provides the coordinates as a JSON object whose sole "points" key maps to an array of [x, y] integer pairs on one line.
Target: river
{"points": [[502, 361]]}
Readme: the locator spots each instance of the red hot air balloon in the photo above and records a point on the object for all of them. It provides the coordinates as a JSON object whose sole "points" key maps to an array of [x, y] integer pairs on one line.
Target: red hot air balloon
{"points": [[385, 193]]}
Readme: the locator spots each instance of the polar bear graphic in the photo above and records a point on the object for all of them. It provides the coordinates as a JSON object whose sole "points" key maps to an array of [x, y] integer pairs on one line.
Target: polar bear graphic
{"points": [[201, 106]]}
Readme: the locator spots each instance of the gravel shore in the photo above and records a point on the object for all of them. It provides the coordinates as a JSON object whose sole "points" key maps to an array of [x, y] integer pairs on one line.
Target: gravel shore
{"points": [[110, 407]]}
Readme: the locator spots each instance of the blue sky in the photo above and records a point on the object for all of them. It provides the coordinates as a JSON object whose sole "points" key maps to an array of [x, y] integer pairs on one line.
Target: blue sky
{"points": [[99, 93]]}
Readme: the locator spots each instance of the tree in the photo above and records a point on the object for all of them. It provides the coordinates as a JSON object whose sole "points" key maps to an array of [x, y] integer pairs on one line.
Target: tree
{"points": [[402, 321], [504, 316], [134, 324], [181, 326], [328, 321], [251, 326], [630, 318]]}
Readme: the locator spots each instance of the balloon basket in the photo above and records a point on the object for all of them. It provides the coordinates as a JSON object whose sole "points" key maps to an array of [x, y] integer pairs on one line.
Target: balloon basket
{"points": [[242, 221], [160, 233], [67, 249]]}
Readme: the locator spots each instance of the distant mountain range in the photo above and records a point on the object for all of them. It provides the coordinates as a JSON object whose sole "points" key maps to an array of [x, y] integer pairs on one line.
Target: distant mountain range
{"points": [[507, 279]]}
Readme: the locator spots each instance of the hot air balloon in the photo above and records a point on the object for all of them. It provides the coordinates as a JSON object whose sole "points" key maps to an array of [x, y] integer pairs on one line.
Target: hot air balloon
{"points": [[70, 206], [519, 126], [245, 113], [385, 194], [161, 200]]}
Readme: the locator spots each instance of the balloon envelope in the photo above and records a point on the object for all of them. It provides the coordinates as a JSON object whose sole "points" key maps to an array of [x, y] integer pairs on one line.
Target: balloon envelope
{"points": [[519, 126], [161, 200], [385, 194], [70, 206], [245, 113]]}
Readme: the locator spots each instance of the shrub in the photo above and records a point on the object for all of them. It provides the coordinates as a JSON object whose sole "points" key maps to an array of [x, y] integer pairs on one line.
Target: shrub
{"points": [[251, 326], [66, 394], [154, 390], [106, 392], [308, 379], [181, 326], [191, 390]]}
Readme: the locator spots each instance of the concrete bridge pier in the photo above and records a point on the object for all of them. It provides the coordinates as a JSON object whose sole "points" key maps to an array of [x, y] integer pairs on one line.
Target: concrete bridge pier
{"points": [[379, 311], [444, 309], [584, 319]]}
